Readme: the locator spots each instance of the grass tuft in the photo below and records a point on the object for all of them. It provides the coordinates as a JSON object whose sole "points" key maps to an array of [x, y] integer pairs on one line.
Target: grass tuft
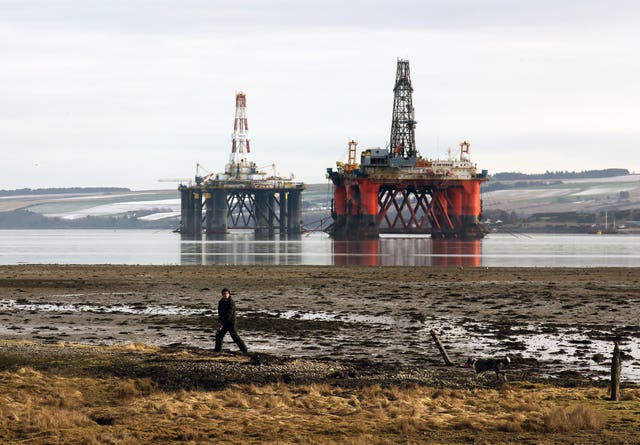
{"points": [[569, 419], [132, 388]]}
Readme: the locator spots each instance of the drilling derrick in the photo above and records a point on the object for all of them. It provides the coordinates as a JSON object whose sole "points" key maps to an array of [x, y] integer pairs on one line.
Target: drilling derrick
{"points": [[403, 139], [240, 164], [395, 190]]}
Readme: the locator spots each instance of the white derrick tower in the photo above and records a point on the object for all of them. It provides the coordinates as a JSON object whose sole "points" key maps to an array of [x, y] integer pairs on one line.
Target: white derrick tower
{"points": [[241, 165]]}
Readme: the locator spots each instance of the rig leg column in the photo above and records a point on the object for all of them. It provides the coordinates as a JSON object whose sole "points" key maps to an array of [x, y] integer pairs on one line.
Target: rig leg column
{"points": [[191, 211], [295, 212], [283, 213], [456, 197], [261, 213], [208, 218], [219, 212], [197, 212], [339, 212], [471, 210], [362, 219], [185, 207], [271, 201]]}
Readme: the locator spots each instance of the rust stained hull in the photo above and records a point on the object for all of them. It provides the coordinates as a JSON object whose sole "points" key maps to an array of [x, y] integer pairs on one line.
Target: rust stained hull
{"points": [[364, 208]]}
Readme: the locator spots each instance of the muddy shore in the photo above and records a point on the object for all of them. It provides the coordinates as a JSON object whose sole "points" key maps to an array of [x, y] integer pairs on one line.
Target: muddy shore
{"points": [[558, 324]]}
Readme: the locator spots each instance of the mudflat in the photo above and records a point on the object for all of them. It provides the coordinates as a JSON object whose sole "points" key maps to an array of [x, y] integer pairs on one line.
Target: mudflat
{"points": [[556, 324]]}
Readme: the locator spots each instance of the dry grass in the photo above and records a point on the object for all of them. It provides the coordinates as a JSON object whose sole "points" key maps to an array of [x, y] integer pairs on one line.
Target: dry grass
{"points": [[51, 409], [132, 347], [575, 418]]}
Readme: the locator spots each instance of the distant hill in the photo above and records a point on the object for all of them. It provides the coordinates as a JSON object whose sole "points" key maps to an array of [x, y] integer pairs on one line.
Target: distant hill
{"points": [[590, 192], [511, 180], [587, 174], [25, 219], [62, 190]]}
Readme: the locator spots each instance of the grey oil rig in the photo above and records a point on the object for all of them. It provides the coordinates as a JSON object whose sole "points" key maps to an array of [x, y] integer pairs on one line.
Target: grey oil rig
{"points": [[243, 197]]}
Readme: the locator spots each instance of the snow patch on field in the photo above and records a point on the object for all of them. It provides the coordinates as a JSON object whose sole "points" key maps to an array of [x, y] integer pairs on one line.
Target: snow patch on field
{"points": [[120, 208], [613, 189]]}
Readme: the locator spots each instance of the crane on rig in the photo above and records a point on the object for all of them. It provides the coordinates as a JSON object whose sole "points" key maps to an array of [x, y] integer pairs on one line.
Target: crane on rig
{"points": [[176, 180]]}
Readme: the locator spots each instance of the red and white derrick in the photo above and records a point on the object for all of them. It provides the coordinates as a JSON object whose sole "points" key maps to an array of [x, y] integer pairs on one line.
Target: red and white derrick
{"points": [[240, 161]]}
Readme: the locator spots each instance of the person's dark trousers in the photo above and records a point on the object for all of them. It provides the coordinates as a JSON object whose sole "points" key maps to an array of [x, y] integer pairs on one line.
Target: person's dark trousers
{"points": [[234, 335]]}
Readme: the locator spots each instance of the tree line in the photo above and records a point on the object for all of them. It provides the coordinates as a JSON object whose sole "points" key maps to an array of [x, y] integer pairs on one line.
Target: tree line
{"points": [[586, 174]]}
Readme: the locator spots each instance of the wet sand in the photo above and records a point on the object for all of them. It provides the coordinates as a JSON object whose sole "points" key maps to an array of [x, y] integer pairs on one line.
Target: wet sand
{"points": [[554, 322]]}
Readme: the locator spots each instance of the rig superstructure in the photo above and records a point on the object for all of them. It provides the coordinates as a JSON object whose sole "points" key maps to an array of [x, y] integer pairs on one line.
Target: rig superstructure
{"points": [[243, 196], [395, 190]]}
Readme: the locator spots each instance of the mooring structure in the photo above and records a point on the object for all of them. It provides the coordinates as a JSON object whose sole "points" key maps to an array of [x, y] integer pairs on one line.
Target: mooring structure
{"points": [[243, 197]]}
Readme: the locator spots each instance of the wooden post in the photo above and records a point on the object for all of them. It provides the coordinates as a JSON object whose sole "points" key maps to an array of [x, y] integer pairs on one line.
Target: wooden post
{"points": [[616, 365], [444, 354]]}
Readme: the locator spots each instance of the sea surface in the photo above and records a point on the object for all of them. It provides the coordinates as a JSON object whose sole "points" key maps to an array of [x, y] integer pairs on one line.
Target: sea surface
{"points": [[242, 248]]}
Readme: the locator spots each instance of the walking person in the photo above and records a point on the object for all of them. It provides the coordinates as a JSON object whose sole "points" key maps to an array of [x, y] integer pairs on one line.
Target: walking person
{"points": [[227, 321]]}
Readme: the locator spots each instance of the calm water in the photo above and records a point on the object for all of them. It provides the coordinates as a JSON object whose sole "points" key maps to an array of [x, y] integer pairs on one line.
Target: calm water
{"points": [[164, 247]]}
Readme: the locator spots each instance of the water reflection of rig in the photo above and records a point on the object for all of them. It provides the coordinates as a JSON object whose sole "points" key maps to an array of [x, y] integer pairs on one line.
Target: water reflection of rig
{"points": [[244, 196], [395, 190]]}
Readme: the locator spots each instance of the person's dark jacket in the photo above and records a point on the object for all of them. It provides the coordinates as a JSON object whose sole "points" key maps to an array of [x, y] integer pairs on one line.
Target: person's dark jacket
{"points": [[226, 311]]}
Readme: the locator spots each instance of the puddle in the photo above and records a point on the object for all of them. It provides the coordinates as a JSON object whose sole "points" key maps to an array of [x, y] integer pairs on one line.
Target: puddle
{"points": [[15, 306]]}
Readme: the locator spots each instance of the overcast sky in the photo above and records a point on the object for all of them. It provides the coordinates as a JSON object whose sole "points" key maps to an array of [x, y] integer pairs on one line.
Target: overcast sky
{"points": [[124, 92]]}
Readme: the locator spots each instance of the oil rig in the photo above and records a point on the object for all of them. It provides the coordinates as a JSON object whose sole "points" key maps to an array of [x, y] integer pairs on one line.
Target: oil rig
{"points": [[243, 197], [395, 190]]}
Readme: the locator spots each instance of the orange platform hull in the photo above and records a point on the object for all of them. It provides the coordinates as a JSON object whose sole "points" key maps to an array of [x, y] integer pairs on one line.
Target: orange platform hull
{"points": [[363, 207]]}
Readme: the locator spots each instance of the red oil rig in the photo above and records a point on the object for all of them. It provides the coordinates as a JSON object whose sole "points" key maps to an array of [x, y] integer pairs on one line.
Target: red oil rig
{"points": [[395, 190]]}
